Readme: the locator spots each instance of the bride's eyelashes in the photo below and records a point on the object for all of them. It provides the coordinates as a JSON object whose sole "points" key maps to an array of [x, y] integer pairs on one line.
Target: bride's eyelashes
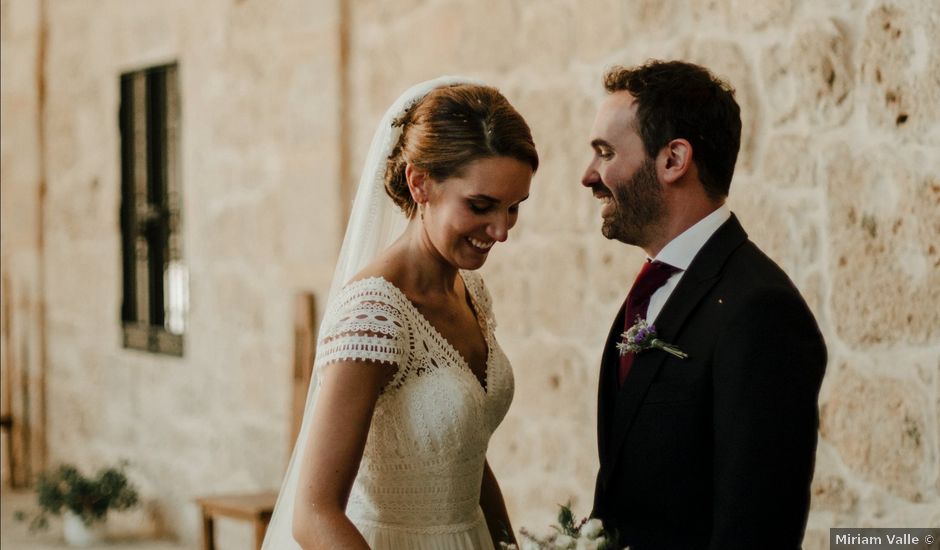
{"points": [[479, 208]]}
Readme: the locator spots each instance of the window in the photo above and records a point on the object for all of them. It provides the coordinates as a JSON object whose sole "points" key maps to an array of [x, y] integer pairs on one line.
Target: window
{"points": [[155, 279]]}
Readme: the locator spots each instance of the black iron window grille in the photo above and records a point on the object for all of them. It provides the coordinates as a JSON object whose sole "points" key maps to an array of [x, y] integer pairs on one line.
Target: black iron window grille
{"points": [[155, 279]]}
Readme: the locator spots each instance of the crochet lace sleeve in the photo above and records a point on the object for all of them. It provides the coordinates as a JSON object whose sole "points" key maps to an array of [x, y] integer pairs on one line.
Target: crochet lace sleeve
{"points": [[366, 325]]}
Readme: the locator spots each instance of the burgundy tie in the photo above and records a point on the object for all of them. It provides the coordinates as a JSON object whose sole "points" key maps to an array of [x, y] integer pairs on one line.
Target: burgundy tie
{"points": [[652, 276]]}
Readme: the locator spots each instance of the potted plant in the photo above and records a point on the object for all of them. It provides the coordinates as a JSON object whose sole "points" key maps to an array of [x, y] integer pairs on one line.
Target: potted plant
{"points": [[83, 502]]}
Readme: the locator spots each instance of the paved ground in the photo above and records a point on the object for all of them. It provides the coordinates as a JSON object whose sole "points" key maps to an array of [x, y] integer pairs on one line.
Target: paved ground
{"points": [[15, 535]]}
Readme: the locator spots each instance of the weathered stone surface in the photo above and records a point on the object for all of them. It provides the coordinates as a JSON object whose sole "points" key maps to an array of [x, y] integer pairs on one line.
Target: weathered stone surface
{"points": [[883, 222], [900, 63], [653, 18], [603, 31], [759, 14], [811, 77], [879, 425], [543, 35], [831, 493], [786, 226], [789, 162]]}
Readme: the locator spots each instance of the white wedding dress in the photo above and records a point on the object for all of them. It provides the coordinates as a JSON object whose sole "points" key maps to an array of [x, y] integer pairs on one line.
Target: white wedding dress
{"points": [[418, 485]]}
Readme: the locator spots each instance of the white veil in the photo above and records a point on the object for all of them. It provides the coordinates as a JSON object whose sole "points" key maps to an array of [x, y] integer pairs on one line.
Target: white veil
{"points": [[374, 223]]}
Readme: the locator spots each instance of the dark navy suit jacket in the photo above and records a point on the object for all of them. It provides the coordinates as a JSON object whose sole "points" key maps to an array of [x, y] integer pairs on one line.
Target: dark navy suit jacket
{"points": [[715, 451]]}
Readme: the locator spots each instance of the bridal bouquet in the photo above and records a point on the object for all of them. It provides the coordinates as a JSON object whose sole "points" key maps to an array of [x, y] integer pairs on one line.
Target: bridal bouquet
{"points": [[587, 534]]}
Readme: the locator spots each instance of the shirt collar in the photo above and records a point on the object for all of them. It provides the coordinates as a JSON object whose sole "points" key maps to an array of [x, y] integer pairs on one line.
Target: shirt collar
{"points": [[680, 251]]}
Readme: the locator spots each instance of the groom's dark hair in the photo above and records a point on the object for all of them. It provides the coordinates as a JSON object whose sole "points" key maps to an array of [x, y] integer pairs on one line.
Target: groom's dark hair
{"points": [[676, 99]]}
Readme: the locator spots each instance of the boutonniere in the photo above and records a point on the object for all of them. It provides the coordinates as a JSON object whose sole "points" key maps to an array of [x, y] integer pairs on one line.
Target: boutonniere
{"points": [[642, 336]]}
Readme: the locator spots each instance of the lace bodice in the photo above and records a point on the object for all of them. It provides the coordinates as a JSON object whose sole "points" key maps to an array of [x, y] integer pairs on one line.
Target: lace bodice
{"points": [[423, 460]]}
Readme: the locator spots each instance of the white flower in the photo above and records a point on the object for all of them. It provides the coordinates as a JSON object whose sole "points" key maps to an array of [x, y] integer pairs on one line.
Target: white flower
{"points": [[592, 528], [528, 544], [564, 542]]}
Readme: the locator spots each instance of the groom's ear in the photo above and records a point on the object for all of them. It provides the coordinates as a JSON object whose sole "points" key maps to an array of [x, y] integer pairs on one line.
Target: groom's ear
{"points": [[418, 183], [674, 161]]}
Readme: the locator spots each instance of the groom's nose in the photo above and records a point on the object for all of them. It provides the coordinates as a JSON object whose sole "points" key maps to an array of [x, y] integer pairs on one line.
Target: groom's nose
{"points": [[590, 177]]}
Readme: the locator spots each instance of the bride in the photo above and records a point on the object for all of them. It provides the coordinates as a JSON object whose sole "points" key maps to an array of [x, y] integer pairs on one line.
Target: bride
{"points": [[409, 381]]}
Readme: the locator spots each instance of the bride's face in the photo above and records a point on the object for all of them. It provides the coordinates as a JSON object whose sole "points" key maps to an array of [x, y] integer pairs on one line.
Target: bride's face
{"points": [[467, 214]]}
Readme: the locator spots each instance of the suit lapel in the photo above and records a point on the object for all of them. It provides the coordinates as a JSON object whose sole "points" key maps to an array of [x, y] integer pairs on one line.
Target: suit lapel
{"points": [[703, 273]]}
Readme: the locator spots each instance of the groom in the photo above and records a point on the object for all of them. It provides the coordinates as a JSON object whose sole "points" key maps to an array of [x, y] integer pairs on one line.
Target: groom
{"points": [[715, 450]]}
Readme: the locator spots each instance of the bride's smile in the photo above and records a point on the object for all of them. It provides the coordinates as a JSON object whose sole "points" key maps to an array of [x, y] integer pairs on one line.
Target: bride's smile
{"points": [[466, 214]]}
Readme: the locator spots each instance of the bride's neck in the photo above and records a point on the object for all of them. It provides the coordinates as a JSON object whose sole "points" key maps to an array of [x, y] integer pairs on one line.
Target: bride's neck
{"points": [[425, 271]]}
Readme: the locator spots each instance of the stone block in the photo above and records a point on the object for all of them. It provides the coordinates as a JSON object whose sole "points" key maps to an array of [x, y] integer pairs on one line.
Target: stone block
{"points": [[486, 35], [900, 61], [883, 223], [789, 162], [558, 204], [247, 18], [545, 36], [878, 425], [831, 493], [552, 464], [510, 293], [553, 379], [748, 15], [557, 294], [765, 215], [379, 10], [20, 18], [611, 267], [654, 18], [707, 13], [599, 27], [256, 225], [240, 296], [811, 77]]}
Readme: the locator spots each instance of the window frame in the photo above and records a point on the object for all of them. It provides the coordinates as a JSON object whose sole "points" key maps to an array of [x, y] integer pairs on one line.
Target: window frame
{"points": [[153, 274]]}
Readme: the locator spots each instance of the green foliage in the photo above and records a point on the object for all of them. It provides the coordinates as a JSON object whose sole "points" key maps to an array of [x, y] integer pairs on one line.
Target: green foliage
{"points": [[89, 498], [566, 520]]}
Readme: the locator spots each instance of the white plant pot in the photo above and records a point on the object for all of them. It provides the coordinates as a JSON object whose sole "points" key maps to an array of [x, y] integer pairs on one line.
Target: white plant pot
{"points": [[78, 534]]}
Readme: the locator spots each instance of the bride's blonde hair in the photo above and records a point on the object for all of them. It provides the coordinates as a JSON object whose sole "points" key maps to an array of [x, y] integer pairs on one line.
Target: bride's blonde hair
{"points": [[451, 127]]}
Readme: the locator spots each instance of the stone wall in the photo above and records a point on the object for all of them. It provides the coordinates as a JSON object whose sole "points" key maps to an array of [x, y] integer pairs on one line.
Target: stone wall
{"points": [[837, 180], [261, 220]]}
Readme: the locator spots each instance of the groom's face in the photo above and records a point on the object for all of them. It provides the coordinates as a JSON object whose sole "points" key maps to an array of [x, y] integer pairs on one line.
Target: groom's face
{"points": [[622, 176]]}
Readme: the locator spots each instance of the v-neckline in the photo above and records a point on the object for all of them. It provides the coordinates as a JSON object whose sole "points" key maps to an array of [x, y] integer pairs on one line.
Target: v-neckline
{"points": [[477, 315]]}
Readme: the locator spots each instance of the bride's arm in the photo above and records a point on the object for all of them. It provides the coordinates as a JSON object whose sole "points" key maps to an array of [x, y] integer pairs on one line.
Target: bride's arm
{"points": [[494, 509], [340, 423]]}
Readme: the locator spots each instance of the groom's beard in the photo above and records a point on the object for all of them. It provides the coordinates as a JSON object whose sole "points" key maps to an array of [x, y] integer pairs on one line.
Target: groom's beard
{"points": [[640, 207]]}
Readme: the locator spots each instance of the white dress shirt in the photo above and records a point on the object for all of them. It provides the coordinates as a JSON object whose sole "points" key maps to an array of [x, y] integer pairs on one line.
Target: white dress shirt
{"points": [[681, 251]]}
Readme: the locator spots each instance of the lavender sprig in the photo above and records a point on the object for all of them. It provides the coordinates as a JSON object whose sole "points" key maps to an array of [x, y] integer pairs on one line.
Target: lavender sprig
{"points": [[641, 337]]}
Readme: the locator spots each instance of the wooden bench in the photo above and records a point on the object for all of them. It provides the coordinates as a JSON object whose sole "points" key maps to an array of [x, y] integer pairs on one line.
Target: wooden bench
{"points": [[257, 508]]}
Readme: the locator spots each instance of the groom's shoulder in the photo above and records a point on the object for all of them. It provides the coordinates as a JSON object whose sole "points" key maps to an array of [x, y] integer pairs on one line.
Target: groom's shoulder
{"points": [[750, 269]]}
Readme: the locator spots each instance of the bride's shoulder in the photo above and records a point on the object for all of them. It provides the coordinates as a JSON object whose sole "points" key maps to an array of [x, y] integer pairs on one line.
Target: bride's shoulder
{"points": [[369, 291]]}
